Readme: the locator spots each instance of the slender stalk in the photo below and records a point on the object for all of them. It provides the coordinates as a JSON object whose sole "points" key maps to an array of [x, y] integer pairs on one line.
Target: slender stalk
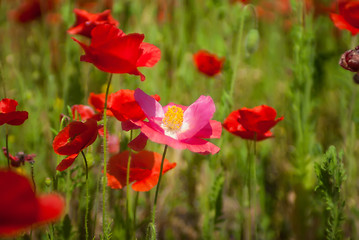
{"points": [[104, 179], [7, 147], [254, 187], [158, 185], [135, 211], [87, 196], [128, 220], [33, 177]]}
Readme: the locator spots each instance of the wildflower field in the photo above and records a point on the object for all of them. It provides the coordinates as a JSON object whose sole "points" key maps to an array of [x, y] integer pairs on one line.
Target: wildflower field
{"points": [[179, 119]]}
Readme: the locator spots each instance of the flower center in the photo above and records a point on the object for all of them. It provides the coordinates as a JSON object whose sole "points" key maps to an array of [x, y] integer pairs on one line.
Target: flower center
{"points": [[173, 118]]}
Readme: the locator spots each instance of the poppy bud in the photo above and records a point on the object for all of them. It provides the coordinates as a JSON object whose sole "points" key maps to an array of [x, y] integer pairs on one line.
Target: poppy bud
{"points": [[350, 60], [252, 41]]}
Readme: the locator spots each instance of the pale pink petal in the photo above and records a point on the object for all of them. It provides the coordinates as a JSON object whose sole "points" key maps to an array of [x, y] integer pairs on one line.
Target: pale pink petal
{"points": [[197, 116], [201, 146], [165, 108], [212, 130], [149, 105], [159, 137]]}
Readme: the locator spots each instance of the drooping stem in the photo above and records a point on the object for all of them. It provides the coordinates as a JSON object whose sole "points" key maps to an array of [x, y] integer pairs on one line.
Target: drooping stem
{"points": [[7, 147], [87, 195], [158, 185], [104, 179], [128, 209]]}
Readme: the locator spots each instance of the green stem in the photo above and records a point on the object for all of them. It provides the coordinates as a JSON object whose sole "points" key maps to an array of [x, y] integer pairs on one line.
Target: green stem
{"points": [[128, 218], [104, 179], [238, 52], [7, 147], [135, 211], [87, 196], [158, 186], [33, 177]]}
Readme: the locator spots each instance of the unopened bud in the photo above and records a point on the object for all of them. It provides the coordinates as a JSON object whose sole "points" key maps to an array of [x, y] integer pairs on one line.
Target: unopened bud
{"points": [[350, 60], [252, 41], [48, 181]]}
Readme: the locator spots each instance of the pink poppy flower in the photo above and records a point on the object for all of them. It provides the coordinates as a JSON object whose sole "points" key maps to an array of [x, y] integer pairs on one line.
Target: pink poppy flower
{"points": [[178, 126]]}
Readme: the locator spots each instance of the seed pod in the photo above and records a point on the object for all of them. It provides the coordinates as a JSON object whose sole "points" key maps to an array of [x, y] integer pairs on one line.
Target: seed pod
{"points": [[350, 60]]}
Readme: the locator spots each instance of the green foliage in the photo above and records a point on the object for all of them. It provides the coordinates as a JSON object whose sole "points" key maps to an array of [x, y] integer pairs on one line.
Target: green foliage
{"points": [[331, 176], [151, 232]]}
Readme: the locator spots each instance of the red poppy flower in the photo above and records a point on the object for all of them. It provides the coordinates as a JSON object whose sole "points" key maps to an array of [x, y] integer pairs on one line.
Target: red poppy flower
{"points": [[83, 112], [30, 10], [8, 113], [208, 63], [86, 21], [348, 16], [21, 209], [111, 50], [98, 102], [73, 139], [121, 104], [20, 158], [144, 171], [252, 124]]}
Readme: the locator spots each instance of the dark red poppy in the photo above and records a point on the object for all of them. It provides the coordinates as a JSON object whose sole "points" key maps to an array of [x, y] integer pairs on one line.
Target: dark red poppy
{"points": [[348, 16], [86, 21], [30, 10], [20, 158], [8, 113], [208, 63], [83, 112], [144, 171], [252, 124], [112, 51], [21, 209], [121, 104], [73, 139]]}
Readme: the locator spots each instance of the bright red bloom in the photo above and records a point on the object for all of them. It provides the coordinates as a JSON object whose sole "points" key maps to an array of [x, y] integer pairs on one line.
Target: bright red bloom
{"points": [[86, 21], [208, 63], [21, 209], [8, 113], [30, 10], [73, 139], [20, 158], [112, 51], [348, 17], [121, 104], [98, 102], [252, 124], [83, 112], [144, 171]]}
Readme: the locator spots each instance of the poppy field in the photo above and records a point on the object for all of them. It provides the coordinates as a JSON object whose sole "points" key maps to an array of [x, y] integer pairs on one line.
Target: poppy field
{"points": [[179, 119]]}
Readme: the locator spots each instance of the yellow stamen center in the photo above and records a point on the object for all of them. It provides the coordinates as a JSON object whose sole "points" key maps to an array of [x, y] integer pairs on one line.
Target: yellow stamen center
{"points": [[173, 118]]}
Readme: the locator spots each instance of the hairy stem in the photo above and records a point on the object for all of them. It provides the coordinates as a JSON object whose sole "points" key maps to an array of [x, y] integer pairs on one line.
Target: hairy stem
{"points": [[87, 196], [104, 179]]}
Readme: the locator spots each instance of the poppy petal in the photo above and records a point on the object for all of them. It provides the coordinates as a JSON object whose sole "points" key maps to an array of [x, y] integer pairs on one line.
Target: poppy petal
{"points": [[139, 143], [67, 162], [150, 55]]}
